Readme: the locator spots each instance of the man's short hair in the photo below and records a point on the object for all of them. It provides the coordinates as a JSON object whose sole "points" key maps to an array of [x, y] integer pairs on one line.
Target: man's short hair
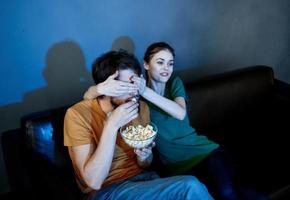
{"points": [[108, 63]]}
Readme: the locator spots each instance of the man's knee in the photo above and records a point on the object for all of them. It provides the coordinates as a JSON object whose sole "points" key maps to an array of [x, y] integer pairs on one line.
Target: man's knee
{"points": [[192, 183], [194, 189]]}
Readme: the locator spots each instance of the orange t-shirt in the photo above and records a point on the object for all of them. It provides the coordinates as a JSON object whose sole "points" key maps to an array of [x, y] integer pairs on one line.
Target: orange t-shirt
{"points": [[83, 124]]}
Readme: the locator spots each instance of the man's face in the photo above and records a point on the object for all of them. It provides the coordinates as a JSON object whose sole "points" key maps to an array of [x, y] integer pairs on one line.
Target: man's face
{"points": [[124, 75]]}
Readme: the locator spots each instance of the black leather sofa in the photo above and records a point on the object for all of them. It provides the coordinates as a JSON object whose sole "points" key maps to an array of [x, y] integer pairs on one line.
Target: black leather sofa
{"points": [[245, 110]]}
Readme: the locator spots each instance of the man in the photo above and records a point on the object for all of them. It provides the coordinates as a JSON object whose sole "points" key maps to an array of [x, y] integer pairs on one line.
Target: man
{"points": [[106, 167]]}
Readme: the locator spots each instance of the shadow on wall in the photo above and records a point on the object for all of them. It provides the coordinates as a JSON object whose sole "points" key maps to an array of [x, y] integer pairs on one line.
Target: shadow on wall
{"points": [[67, 79], [125, 43]]}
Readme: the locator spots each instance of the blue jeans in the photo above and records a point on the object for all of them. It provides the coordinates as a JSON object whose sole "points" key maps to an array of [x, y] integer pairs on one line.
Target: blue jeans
{"points": [[149, 185]]}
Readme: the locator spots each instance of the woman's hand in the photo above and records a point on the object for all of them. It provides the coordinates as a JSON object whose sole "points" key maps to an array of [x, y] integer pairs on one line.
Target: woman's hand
{"points": [[111, 87], [123, 114], [115, 88], [140, 82]]}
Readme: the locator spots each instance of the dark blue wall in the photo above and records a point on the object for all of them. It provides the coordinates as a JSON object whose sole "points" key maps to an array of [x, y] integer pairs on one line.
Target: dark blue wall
{"points": [[47, 47]]}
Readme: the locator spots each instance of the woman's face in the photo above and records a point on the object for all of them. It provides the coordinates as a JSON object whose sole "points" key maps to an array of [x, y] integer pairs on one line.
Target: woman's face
{"points": [[126, 76], [160, 66]]}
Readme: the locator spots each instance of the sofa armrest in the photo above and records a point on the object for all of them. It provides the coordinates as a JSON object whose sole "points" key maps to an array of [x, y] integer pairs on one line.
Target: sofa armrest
{"points": [[38, 165], [43, 132]]}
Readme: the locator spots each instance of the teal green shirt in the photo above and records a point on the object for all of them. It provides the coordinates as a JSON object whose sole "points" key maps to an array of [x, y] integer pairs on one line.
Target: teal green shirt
{"points": [[178, 144]]}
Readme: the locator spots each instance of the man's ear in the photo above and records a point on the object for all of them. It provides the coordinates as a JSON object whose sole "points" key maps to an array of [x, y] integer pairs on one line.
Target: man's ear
{"points": [[146, 66]]}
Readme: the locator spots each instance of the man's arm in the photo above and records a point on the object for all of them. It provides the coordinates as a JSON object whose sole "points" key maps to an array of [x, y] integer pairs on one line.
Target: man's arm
{"points": [[94, 162]]}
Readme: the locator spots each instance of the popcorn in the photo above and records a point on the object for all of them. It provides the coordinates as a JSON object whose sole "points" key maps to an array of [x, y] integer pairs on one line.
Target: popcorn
{"points": [[139, 132], [134, 99], [138, 136]]}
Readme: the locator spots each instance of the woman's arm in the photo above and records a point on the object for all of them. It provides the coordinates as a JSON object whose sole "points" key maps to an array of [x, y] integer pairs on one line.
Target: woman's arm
{"points": [[176, 108]]}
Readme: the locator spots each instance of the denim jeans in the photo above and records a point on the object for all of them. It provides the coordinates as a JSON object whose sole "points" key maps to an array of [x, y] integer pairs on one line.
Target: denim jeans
{"points": [[149, 185]]}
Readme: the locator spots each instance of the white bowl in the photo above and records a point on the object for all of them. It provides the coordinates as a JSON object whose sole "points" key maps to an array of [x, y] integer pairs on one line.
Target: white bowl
{"points": [[135, 140]]}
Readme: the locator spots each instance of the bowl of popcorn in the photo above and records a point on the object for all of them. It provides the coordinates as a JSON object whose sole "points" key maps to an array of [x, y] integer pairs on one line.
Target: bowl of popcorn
{"points": [[138, 136]]}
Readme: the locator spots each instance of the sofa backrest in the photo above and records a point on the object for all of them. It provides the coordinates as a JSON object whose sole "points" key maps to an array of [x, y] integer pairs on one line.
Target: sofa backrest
{"points": [[217, 99]]}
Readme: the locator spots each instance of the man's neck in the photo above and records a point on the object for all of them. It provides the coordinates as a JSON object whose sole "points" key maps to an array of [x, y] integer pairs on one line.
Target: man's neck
{"points": [[105, 104]]}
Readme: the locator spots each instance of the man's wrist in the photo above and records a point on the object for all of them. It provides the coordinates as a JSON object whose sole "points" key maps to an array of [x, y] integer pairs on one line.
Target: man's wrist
{"points": [[110, 127], [145, 162], [145, 159]]}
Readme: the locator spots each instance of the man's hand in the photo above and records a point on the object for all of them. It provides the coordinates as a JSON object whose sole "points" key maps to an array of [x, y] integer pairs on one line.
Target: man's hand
{"points": [[144, 155], [123, 114]]}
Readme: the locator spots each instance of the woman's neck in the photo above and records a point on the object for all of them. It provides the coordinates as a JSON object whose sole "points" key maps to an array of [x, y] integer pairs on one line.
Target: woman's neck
{"points": [[158, 87]]}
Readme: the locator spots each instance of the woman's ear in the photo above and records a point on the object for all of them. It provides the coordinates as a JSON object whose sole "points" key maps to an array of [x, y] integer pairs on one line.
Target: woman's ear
{"points": [[146, 66]]}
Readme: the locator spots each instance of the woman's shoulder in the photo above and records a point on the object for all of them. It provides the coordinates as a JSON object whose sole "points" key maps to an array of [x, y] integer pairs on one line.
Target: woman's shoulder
{"points": [[175, 88], [175, 80], [175, 83]]}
